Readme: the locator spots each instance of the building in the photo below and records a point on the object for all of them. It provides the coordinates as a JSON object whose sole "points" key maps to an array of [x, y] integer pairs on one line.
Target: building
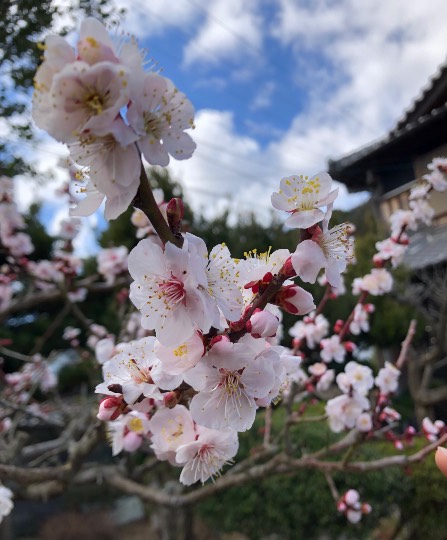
{"points": [[388, 168]]}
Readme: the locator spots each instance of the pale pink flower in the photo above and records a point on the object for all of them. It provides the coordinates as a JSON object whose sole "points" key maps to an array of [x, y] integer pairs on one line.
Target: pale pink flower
{"points": [[160, 114], [344, 410], [6, 504], [170, 429], [422, 210], [131, 369], [171, 291], [433, 430], [112, 262], [329, 249], [390, 249], [228, 380], [176, 360], [351, 506], [128, 432], [46, 273], [303, 197], [377, 283], [312, 329], [104, 349], [203, 458], [332, 349], [356, 377], [387, 379], [69, 228], [325, 381], [18, 244], [78, 295], [402, 220], [364, 422], [360, 322], [262, 324]]}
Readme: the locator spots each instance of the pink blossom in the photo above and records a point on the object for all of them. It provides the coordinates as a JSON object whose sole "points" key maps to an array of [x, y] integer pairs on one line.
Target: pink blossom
{"points": [[171, 291], [203, 458], [332, 349], [303, 198]]}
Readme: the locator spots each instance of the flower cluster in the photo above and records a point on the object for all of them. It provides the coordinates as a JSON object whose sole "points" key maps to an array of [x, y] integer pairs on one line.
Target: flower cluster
{"points": [[100, 102]]}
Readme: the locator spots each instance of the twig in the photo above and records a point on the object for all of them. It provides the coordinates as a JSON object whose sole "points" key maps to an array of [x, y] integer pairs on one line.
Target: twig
{"points": [[406, 344]]}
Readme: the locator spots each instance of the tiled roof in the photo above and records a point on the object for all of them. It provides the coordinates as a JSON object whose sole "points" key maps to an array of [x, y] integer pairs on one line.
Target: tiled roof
{"points": [[427, 247], [433, 95]]}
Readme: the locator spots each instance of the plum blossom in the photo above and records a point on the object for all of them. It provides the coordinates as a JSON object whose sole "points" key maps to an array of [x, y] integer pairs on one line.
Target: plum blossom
{"points": [[112, 262], [176, 360], [351, 506], [356, 377], [262, 324], [159, 114], [433, 430], [312, 329], [360, 321], [387, 379], [228, 380], [389, 249], [377, 283], [170, 429], [203, 458], [332, 349], [329, 249], [131, 370], [6, 504], [343, 411], [128, 432], [171, 291], [303, 198]]}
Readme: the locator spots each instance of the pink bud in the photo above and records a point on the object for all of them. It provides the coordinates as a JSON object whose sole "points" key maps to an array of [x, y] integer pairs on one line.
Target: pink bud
{"points": [[110, 408], [170, 399], [349, 346], [132, 441], [263, 324], [294, 299], [175, 211], [288, 270], [338, 326]]}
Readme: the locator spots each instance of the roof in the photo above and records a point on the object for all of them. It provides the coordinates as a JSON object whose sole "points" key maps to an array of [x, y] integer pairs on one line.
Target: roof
{"points": [[421, 128], [427, 248], [432, 96], [398, 147]]}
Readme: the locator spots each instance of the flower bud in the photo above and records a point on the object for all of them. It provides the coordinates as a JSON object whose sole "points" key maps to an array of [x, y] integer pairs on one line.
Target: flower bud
{"points": [[132, 441], [294, 299], [287, 270], [349, 346], [175, 210], [262, 324], [110, 408], [338, 326], [170, 399]]}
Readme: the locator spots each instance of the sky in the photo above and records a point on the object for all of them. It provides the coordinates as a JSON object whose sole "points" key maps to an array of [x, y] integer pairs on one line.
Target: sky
{"points": [[280, 86]]}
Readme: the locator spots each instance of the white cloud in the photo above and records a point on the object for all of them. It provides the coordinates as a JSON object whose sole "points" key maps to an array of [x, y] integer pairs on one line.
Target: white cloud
{"points": [[145, 18], [232, 28], [264, 97]]}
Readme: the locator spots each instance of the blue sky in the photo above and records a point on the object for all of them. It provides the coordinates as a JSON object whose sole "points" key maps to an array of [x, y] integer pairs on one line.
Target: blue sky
{"points": [[280, 86]]}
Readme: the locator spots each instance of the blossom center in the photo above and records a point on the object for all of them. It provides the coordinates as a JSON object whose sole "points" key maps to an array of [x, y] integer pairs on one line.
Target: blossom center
{"points": [[173, 291]]}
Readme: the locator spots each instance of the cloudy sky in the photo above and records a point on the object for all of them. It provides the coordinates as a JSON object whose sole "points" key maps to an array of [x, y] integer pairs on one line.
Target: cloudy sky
{"points": [[279, 86]]}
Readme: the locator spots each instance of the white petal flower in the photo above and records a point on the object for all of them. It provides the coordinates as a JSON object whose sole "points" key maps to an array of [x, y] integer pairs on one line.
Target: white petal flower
{"points": [[6, 504], [303, 197], [205, 457], [170, 290]]}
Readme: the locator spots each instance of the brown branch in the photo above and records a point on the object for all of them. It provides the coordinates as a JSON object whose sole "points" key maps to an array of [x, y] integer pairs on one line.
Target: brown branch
{"points": [[145, 201], [51, 328], [406, 345]]}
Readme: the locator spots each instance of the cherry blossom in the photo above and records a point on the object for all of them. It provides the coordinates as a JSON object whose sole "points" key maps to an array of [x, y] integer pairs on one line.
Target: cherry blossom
{"points": [[332, 349], [387, 379], [112, 262], [128, 432]]}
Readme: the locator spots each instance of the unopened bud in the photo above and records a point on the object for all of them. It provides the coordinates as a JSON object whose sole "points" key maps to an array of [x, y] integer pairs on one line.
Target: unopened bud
{"points": [[262, 324], [338, 326], [170, 399], [294, 299], [132, 441], [349, 346], [110, 408], [287, 270], [175, 210]]}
